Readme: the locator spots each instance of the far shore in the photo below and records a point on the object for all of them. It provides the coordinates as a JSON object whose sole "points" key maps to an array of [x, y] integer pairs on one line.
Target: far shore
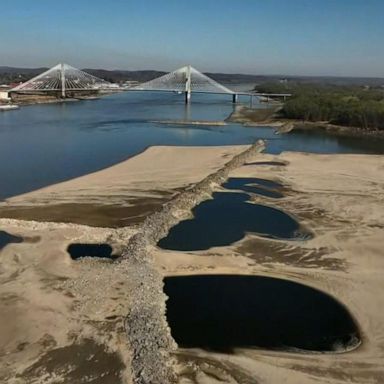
{"points": [[269, 117], [26, 99], [190, 122]]}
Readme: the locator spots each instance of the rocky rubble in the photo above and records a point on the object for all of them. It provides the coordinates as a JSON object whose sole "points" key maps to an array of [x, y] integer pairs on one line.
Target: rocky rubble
{"points": [[146, 326]]}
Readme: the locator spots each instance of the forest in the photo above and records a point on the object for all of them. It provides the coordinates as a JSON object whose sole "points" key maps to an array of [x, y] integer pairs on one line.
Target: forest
{"points": [[347, 105]]}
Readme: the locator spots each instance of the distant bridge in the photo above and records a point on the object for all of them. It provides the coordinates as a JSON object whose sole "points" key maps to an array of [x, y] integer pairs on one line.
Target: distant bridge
{"points": [[63, 78]]}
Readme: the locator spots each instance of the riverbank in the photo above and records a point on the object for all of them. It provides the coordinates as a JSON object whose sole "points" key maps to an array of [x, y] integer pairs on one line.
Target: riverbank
{"points": [[339, 198], [56, 308], [191, 122], [36, 100], [270, 117], [124, 194], [47, 99], [63, 316]]}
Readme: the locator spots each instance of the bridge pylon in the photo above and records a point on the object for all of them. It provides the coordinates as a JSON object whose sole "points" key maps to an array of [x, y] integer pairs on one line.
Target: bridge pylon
{"points": [[62, 75], [61, 79], [188, 84], [186, 80]]}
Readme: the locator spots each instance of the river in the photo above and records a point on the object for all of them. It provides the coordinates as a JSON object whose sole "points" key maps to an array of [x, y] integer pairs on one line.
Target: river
{"points": [[45, 144]]}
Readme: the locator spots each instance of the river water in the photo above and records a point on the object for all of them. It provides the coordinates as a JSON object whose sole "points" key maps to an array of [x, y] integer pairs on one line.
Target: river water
{"points": [[45, 144]]}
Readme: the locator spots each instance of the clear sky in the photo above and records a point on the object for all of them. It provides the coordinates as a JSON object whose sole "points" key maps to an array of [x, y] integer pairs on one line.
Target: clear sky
{"points": [[294, 37]]}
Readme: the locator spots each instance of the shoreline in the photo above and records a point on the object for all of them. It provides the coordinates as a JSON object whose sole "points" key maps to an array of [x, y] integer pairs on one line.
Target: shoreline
{"points": [[337, 130], [131, 329], [24, 100], [190, 122], [250, 117]]}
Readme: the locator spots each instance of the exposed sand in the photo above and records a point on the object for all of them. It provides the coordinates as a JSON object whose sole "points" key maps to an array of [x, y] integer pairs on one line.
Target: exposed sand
{"points": [[60, 317], [123, 194], [54, 308], [49, 308], [340, 198]]}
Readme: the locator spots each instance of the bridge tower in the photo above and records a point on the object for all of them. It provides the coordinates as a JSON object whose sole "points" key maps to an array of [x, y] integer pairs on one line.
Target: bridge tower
{"points": [[62, 77], [188, 83], [185, 80]]}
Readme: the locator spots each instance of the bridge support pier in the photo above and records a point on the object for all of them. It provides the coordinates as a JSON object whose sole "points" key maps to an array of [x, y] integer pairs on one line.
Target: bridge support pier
{"points": [[187, 97], [234, 98], [62, 77]]}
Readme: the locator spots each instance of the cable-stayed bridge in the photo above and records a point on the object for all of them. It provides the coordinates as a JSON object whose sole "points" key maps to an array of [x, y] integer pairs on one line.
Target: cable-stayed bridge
{"points": [[185, 80], [64, 79]]}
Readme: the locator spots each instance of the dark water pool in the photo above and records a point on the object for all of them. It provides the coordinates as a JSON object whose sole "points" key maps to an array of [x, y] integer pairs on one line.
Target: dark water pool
{"points": [[45, 144], [268, 163], [79, 250], [226, 219], [6, 238], [263, 187], [222, 312]]}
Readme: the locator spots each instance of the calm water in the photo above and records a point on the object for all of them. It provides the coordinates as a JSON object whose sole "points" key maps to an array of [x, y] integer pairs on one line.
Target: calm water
{"points": [[45, 144], [227, 311], [226, 219], [6, 238], [79, 250]]}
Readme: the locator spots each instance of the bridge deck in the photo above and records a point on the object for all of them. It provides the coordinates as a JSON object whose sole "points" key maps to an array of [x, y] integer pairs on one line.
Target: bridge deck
{"points": [[112, 90]]}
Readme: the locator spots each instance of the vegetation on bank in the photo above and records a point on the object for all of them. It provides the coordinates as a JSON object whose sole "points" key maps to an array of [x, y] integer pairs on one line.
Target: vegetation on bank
{"points": [[347, 105]]}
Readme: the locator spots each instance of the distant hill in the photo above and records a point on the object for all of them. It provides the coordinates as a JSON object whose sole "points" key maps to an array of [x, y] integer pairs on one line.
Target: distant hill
{"points": [[14, 74], [21, 70], [117, 76]]}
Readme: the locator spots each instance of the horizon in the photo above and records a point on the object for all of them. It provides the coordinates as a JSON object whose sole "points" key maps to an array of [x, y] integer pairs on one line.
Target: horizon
{"points": [[280, 75], [275, 38]]}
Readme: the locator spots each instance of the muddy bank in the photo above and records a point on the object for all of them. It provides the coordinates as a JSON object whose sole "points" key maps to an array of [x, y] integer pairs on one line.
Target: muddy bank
{"points": [[257, 116], [124, 194], [95, 215]]}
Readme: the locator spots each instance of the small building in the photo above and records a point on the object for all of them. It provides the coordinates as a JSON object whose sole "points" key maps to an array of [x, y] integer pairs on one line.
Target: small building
{"points": [[4, 92]]}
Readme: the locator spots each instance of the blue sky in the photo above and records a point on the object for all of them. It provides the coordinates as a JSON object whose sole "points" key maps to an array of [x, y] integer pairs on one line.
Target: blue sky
{"points": [[294, 37]]}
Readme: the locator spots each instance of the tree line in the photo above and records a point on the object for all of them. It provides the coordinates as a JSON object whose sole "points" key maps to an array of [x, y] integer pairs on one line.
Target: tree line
{"points": [[357, 106]]}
